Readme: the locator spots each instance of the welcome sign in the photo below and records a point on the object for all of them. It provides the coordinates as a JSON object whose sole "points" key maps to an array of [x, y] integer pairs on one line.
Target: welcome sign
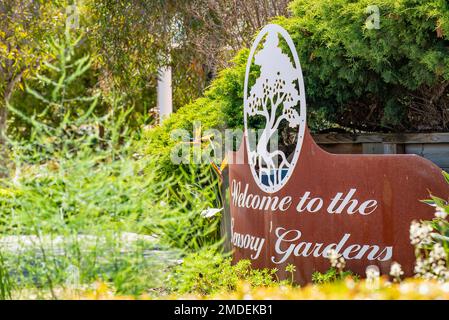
{"points": [[292, 202]]}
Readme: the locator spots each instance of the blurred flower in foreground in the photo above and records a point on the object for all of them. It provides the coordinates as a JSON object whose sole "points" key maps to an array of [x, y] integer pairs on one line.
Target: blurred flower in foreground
{"points": [[336, 260], [396, 271], [372, 277], [440, 213], [420, 233]]}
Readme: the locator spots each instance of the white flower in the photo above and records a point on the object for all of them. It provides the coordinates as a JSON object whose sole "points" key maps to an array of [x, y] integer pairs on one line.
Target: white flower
{"points": [[437, 253], [396, 270], [440, 213], [372, 274], [372, 277], [414, 231], [420, 233], [336, 260], [333, 256], [444, 276], [434, 266], [420, 266], [439, 270], [211, 212], [341, 263]]}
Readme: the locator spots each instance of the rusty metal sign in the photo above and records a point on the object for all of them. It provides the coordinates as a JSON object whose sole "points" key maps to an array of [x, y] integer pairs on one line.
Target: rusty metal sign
{"points": [[291, 202]]}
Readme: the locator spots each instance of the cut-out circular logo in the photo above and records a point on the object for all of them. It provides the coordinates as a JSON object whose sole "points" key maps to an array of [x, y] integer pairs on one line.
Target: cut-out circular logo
{"points": [[274, 108]]}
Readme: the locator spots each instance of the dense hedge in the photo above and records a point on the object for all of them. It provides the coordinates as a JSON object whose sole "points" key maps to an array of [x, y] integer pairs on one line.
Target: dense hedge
{"points": [[395, 78], [390, 79]]}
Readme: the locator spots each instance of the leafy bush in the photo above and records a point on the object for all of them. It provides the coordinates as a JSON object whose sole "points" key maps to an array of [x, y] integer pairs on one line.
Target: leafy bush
{"points": [[5, 281], [207, 272], [431, 242], [89, 209], [212, 111], [181, 223], [80, 205], [81, 202], [332, 275], [219, 108], [390, 79]]}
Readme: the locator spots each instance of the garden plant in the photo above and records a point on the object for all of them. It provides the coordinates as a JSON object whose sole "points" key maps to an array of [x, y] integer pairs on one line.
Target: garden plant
{"points": [[92, 205]]}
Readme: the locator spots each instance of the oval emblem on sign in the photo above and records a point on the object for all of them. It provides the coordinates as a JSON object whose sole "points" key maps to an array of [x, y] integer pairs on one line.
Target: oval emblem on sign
{"points": [[274, 108]]}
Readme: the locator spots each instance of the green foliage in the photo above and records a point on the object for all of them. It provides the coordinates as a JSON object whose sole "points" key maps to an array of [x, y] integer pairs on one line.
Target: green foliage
{"points": [[159, 142], [80, 204], [227, 91], [210, 112], [183, 226], [5, 281], [196, 38], [332, 275], [23, 27], [214, 111], [360, 75], [220, 108], [59, 89], [194, 185], [431, 241], [388, 79], [439, 224], [207, 272]]}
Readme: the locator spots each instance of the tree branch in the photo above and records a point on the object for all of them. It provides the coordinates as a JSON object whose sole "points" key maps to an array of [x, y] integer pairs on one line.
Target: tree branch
{"points": [[11, 85], [278, 122], [274, 107]]}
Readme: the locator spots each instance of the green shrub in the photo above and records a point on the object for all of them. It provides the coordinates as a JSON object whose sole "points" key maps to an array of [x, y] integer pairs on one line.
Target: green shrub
{"points": [[431, 242], [388, 79], [78, 207], [6, 285], [79, 204], [332, 275], [216, 110], [374, 78], [207, 272], [220, 108]]}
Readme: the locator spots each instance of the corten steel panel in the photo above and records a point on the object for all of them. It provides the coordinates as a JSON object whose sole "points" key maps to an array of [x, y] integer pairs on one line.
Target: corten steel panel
{"points": [[397, 182]]}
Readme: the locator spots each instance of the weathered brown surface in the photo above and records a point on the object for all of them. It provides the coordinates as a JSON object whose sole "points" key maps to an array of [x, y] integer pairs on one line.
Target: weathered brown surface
{"points": [[343, 148], [396, 182], [336, 138]]}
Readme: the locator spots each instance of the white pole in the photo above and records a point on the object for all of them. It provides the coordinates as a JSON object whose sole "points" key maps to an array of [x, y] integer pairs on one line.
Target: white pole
{"points": [[164, 93]]}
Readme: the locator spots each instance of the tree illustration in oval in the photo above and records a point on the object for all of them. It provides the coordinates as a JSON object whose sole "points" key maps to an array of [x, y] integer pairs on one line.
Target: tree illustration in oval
{"points": [[274, 108]]}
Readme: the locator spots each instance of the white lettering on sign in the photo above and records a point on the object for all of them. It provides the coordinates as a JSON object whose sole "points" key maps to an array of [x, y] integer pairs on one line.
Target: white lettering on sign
{"points": [[247, 241], [287, 244], [254, 201], [340, 203]]}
